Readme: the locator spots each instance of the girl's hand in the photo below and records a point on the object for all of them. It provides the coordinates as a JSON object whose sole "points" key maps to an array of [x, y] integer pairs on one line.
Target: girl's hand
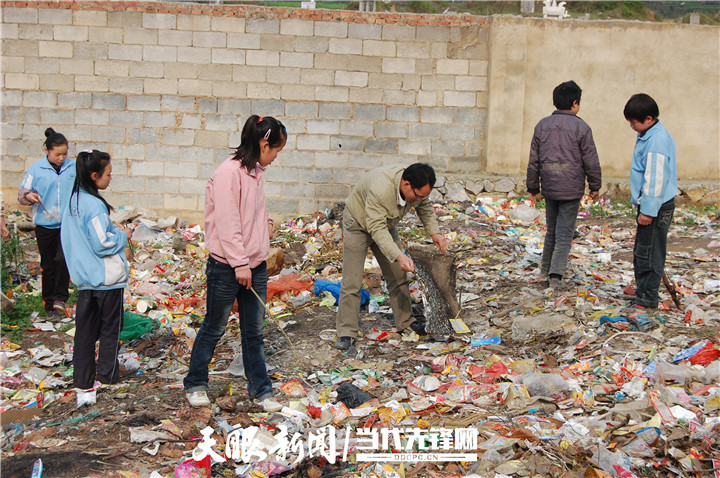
{"points": [[33, 197], [270, 230], [244, 277]]}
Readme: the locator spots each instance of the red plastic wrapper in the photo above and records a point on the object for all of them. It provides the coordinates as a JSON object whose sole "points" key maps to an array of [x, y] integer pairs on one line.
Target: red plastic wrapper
{"points": [[287, 282], [705, 355]]}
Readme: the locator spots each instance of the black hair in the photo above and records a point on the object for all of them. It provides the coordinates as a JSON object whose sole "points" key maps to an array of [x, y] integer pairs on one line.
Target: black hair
{"points": [[88, 162], [419, 174], [54, 139], [640, 106], [256, 129], [565, 94]]}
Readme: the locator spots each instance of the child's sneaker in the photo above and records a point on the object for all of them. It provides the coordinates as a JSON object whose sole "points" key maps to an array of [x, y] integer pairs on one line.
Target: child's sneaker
{"points": [[198, 398], [60, 306], [268, 403]]}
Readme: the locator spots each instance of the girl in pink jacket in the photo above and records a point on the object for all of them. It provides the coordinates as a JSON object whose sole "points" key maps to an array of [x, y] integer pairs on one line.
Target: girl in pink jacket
{"points": [[238, 231]]}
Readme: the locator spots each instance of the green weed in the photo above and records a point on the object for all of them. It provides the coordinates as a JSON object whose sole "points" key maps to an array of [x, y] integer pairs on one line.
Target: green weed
{"points": [[15, 323]]}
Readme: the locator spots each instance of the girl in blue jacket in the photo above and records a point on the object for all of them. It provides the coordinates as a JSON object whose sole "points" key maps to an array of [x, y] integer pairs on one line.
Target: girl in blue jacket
{"points": [[95, 253], [47, 186]]}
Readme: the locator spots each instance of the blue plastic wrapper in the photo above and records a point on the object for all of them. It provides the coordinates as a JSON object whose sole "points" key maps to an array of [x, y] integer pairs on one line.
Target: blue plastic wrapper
{"points": [[324, 285], [478, 341], [687, 353]]}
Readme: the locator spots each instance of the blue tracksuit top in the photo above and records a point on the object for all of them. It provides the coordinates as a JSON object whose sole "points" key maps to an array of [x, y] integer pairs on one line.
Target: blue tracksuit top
{"points": [[94, 249], [54, 190], [653, 173]]}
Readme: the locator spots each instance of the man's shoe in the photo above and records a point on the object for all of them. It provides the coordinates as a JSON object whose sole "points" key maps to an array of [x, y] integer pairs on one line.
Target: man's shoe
{"points": [[344, 343], [198, 398], [419, 328], [555, 282]]}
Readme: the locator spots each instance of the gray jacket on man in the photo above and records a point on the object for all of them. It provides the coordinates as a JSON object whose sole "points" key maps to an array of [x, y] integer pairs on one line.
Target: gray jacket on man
{"points": [[562, 155]]}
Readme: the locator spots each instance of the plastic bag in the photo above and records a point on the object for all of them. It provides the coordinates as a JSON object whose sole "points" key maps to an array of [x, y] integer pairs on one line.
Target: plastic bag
{"points": [[135, 326], [287, 282], [334, 289], [352, 396]]}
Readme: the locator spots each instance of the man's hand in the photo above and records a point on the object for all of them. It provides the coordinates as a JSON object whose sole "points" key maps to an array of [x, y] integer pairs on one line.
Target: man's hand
{"points": [[533, 198], [406, 264], [441, 242], [644, 220], [244, 277], [594, 195]]}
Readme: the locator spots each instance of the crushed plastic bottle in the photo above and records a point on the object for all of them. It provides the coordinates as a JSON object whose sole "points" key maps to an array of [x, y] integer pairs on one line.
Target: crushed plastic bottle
{"points": [[544, 384]]}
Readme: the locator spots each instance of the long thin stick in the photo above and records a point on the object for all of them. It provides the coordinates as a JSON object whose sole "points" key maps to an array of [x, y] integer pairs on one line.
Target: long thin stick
{"points": [[670, 286], [292, 346]]}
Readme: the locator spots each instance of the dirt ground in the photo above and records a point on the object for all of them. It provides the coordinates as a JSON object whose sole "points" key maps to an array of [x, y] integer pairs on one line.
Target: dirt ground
{"points": [[95, 440]]}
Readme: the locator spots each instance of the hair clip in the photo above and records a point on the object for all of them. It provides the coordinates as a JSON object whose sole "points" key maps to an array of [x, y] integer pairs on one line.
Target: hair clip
{"points": [[267, 134], [260, 119], [89, 151]]}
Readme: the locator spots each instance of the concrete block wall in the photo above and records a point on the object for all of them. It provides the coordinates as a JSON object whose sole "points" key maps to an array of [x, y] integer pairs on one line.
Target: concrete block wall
{"points": [[166, 89]]}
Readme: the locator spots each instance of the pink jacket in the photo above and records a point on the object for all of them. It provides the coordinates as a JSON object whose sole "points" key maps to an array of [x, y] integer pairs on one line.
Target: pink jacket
{"points": [[236, 220]]}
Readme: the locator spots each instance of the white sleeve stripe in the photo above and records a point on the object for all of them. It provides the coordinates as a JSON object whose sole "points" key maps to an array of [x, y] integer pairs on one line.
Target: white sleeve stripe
{"points": [[659, 173], [648, 175], [654, 174], [27, 183], [100, 231]]}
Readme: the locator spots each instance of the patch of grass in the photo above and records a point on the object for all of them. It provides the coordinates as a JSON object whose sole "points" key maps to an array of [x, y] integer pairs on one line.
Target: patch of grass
{"points": [[65, 327], [598, 210], [15, 323], [11, 256]]}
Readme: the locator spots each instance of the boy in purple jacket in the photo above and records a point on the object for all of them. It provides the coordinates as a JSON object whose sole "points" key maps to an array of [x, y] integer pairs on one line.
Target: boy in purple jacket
{"points": [[562, 155]]}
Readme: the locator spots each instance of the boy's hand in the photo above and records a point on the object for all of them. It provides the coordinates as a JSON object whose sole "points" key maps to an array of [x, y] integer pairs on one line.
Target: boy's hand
{"points": [[644, 220]]}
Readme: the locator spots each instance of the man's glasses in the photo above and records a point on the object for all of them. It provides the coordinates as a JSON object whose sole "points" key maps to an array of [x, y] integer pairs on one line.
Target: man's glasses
{"points": [[419, 196]]}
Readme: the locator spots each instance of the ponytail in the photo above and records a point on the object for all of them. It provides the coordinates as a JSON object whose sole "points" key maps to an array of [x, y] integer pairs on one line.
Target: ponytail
{"points": [[88, 162], [258, 128]]}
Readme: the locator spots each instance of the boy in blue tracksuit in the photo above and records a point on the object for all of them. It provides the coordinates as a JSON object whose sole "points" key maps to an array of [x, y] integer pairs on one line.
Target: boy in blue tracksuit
{"points": [[47, 186], [653, 187], [95, 253]]}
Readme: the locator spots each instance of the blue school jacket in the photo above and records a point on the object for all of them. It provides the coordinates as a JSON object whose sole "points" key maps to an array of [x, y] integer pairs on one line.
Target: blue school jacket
{"points": [[653, 173], [54, 190], [94, 248]]}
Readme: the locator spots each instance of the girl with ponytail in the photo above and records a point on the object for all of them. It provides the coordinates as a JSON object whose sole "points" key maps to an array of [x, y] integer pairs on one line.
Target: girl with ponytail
{"points": [[238, 231], [95, 253]]}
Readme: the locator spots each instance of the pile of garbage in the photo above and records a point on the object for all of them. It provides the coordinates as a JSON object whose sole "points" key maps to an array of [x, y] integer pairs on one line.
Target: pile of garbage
{"points": [[533, 382]]}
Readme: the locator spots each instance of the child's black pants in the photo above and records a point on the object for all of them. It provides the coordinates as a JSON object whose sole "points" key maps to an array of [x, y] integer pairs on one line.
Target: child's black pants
{"points": [[99, 315]]}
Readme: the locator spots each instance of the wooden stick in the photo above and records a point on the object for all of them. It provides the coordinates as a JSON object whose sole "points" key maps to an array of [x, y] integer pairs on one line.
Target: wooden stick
{"points": [[670, 286]]}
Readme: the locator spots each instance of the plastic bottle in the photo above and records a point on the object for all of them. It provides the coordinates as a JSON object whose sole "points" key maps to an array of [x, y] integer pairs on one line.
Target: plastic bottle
{"points": [[677, 373], [544, 384]]}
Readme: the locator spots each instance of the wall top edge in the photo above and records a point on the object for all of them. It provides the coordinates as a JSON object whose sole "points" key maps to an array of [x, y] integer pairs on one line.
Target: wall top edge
{"points": [[257, 11]]}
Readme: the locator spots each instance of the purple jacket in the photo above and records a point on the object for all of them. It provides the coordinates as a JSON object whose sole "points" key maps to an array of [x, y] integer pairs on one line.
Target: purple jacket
{"points": [[562, 155]]}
